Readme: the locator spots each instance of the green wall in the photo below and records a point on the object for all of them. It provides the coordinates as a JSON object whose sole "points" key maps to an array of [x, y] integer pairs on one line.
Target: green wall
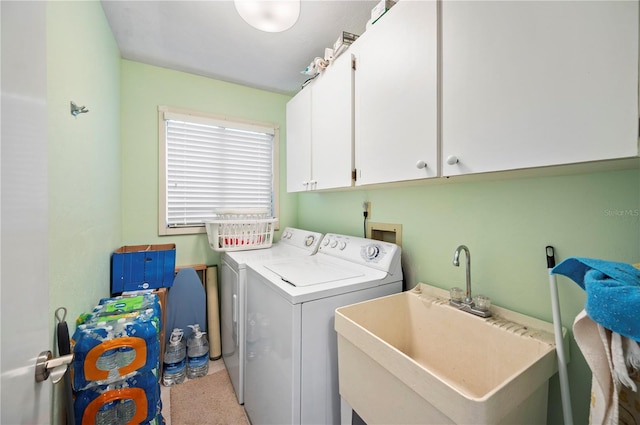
{"points": [[83, 65], [143, 89], [506, 222]]}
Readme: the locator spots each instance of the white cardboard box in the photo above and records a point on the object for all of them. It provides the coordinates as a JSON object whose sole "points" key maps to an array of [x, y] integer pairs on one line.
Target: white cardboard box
{"points": [[381, 8]]}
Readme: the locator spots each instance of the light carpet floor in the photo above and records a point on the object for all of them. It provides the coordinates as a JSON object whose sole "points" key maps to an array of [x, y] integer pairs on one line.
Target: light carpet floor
{"points": [[203, 401]]}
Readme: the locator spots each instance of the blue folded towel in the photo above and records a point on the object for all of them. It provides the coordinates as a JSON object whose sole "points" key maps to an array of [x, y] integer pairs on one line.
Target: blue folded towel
{"points": [[613, 292]]}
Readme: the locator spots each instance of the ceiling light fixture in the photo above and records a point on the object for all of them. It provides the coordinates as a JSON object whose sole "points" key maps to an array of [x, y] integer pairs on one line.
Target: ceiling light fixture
{"points": [[269, 15]]}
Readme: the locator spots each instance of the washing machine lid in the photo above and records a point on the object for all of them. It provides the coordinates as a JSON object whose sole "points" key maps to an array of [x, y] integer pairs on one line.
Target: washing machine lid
{"points": [[308, 273]]}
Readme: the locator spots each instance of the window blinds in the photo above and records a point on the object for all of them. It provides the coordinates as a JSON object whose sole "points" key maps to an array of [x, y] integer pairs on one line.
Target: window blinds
{"points": [[215, 164]]}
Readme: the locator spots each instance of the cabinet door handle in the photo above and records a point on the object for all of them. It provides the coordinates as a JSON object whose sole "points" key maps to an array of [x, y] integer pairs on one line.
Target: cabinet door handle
{"points": [[421, 164], [452, 159]]}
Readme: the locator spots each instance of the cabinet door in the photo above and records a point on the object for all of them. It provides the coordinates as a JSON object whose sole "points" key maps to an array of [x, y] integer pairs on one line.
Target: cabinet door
{"points": [[536, 83], [396, 95], [332, 126], [299, 141]]}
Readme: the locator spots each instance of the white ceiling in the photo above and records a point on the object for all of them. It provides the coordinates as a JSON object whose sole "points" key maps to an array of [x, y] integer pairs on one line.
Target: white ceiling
{"points": [[209, 38]]}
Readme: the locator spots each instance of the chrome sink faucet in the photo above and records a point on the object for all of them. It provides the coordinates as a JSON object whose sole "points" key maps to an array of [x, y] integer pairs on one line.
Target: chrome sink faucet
{"points": [[456, 262], [481, 308]]}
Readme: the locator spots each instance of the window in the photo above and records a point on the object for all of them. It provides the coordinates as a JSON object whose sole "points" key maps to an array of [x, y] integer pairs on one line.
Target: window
{"points": [[207, 163]]}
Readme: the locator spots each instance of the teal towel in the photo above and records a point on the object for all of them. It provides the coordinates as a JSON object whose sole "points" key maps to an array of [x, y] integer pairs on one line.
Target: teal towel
{"points": [[613, 292]]}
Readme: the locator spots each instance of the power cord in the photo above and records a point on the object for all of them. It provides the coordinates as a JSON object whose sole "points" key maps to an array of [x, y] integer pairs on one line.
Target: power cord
{"points": [[365, 214]]}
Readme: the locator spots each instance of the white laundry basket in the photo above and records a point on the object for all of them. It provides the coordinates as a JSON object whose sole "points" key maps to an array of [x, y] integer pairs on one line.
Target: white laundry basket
{"points": [[240, 230]]}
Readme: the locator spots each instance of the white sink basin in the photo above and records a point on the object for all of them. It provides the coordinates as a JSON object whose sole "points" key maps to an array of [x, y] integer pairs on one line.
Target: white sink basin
{"points": [[412, 358]]}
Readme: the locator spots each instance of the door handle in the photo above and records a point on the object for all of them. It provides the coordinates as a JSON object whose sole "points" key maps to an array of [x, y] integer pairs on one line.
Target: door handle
{"points": [[234, 308], [234, 318], [47, 365]]}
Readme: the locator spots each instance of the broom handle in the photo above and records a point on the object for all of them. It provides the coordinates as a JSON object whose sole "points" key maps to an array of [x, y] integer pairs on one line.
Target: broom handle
{"points": [[557, 326]]}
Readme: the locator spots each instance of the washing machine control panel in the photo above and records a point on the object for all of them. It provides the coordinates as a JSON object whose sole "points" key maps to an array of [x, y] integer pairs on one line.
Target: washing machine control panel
{"points": [[368, 252]]}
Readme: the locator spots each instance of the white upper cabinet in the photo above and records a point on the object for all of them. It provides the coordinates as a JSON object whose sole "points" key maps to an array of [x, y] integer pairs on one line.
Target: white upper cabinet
{"points": [[320, 131], [537, 83], [396, 95], [299, 141], [477, 86], [332, 125]]}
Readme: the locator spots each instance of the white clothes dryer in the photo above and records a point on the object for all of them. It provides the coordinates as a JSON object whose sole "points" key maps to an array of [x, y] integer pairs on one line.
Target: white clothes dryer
{"points": [[293, 243], [291, 370]]}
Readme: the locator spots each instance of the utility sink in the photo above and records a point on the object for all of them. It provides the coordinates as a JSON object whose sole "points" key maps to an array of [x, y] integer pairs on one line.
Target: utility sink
{"points": [[413, 358]]}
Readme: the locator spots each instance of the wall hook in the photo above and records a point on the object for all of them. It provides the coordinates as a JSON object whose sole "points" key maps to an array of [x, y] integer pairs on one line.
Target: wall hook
{"points": [[75, 110]]}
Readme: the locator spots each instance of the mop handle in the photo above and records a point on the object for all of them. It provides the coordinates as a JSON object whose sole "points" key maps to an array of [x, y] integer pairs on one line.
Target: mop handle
{"points": [[557, 326]]}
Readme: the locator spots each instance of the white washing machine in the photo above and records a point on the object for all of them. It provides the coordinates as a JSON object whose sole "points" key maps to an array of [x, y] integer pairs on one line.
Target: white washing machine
{"points": [[291, 370], [293, 243]]}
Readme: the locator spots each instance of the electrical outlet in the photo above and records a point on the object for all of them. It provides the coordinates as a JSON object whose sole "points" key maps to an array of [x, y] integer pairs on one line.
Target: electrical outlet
{"points": [[366, 208]]}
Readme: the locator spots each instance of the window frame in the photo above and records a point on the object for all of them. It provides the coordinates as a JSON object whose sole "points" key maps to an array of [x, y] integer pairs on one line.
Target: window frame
{"points": [[163, 229]]}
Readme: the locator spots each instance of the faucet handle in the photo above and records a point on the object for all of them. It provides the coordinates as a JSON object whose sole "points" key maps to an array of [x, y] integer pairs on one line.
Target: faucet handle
{"points": [[456, 294], [482, 302]]}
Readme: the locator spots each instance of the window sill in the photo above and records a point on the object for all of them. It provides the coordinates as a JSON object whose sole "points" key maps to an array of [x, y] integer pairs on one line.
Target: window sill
{"points": [[194, 230], [173, 231]]}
